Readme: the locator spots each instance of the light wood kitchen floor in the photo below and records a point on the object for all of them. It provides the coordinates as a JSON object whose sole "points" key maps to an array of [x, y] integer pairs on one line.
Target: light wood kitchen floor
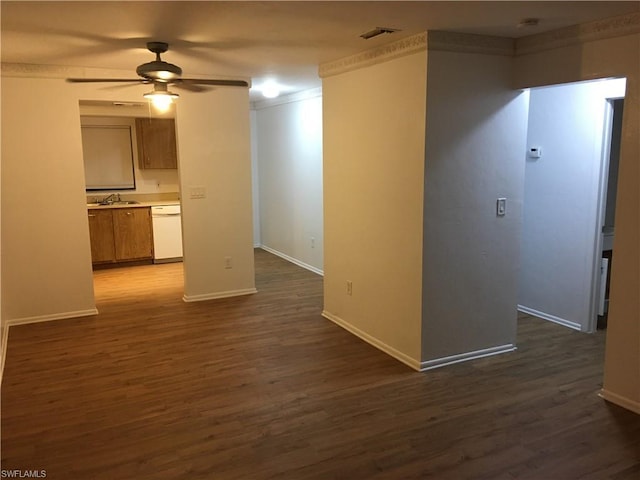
{"points": [[263, 387]]}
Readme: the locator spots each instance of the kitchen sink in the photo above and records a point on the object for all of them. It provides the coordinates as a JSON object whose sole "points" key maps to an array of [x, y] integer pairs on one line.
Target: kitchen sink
{"points": [[105, 204]]}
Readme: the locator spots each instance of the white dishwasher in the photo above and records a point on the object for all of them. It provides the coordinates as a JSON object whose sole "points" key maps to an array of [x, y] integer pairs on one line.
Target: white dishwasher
{"points": [[167, 233]]}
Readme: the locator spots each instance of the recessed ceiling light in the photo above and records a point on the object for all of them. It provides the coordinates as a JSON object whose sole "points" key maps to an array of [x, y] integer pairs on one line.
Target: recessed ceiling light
{"points": [[270, 91], [378, 31]]}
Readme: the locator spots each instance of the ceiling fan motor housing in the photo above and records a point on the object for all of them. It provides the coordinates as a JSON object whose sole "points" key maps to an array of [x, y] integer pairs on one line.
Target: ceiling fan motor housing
{"points": [[159, 70]]}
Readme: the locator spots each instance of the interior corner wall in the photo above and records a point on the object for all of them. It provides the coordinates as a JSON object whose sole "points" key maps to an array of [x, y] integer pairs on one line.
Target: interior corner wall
{"points": [[612, 57], [289, 146], [46, 257], [214, 155], [475, 143], [561, 203], [255, 178], [374, 124]]}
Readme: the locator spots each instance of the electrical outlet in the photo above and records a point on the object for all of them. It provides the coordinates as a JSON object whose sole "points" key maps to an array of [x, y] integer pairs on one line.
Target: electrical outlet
{"points": [[313, 242], [349, 287], [227, 262]]}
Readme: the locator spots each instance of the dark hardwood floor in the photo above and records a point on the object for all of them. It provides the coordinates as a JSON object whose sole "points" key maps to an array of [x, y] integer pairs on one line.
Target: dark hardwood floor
{"points": [[262, 387]]}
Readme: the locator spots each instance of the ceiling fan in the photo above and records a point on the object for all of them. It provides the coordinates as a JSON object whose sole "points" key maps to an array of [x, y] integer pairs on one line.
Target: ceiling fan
{"points": [[161, 74]]}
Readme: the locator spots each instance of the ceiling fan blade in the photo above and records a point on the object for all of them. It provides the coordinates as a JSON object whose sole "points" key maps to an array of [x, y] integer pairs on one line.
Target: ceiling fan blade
{"points": [[216, 82], [190, 87], [106, 80]]}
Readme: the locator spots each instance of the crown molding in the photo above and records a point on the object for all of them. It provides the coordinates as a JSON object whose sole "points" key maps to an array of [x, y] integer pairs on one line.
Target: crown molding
{"points": [[470, 43], [587, 32], [40, 71], [384, 53], [59, 71], [290, 98]]}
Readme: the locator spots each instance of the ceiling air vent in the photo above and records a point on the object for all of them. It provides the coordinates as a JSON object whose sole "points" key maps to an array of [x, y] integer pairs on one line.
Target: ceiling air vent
{"points": [[378, 31]]}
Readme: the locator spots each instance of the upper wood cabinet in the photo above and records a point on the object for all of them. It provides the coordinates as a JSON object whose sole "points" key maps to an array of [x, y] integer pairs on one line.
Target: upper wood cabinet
{"points": [[156, 138]]}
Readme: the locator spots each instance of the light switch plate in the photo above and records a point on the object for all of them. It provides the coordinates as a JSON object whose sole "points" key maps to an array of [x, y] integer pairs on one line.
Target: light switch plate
{"points": [[196, 192], [501, 207]]}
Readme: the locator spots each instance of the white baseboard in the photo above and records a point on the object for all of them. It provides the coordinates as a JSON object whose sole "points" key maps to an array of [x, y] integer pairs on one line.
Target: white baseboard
{"points": [[464, 357], [217, 295], [380, 345], [5, 343], [619, 400], [48, 318], [295, 261], [550, 318]]}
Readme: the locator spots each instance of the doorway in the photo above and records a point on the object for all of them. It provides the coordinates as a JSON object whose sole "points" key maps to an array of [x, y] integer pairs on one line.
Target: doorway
{"points": [[122, 200], [568, 142]]}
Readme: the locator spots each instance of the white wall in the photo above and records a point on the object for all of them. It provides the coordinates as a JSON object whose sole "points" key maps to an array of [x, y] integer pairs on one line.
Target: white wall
{"points": [[255, 186], [561, 224], [374, 124], [618, 56], [475, 138], [289, 146]]}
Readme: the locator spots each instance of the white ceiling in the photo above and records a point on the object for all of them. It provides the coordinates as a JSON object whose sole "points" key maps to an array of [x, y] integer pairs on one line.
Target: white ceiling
{"points": [[257, 40]]}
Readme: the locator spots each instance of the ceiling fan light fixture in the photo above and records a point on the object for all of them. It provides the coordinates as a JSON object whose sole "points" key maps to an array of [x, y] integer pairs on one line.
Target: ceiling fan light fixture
{"points": [[161, 98]]}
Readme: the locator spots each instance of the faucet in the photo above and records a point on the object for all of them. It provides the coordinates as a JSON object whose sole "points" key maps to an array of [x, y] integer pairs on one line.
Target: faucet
{"points": [[114, 197]]}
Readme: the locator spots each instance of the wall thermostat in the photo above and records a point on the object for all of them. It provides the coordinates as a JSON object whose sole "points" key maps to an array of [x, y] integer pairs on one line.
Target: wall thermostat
{"points": [[535, 152]]}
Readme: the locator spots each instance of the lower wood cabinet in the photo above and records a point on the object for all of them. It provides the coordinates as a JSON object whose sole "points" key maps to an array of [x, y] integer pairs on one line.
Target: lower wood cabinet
{"points": [[120, 234]]}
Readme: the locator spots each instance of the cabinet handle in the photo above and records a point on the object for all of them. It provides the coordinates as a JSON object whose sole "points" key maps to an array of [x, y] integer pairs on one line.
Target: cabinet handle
{"points": [[91, 215], [128, 213]]}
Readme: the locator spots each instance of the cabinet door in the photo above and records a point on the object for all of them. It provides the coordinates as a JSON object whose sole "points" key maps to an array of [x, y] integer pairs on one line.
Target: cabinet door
{"points": [[156, 139], [132, 232], [101, 234]]}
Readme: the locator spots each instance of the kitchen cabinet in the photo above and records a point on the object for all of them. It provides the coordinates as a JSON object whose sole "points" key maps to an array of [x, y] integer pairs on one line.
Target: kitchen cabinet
{"points": [[101, 234], [156, 138], [120, 234]]}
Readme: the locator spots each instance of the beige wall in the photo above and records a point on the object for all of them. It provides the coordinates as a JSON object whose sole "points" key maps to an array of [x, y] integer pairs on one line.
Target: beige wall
{"points": [[46, 257], [374, 127], [214, 152], [614, 57], [46, 264]]}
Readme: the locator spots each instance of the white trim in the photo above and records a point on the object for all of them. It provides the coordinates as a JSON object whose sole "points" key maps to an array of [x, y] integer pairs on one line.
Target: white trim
{"points": [[463, 357], [48, 318], [213, 296], [380, 345], [550, 318], [5, 344], [290, 98], [292, 260], [619, 400]]}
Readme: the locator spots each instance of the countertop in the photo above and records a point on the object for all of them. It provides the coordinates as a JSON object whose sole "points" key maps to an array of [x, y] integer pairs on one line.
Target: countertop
{"points": [[97, 206]]}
